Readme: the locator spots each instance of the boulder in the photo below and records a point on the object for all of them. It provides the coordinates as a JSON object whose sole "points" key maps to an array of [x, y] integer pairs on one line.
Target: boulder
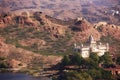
{"points": [[81, 25]]}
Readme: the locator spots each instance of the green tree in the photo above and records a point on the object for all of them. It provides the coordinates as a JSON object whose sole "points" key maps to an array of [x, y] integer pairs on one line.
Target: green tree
{"points": [[77, 60], [65, 60], [107, 75], [94, 57], [73, 75], [118, 60], [93, 60], [95, 73], [106, 59], [4, 65], [2, 58]]}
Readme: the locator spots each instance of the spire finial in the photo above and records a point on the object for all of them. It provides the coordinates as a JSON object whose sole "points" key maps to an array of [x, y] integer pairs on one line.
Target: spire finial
{"points": [[91, 39]]}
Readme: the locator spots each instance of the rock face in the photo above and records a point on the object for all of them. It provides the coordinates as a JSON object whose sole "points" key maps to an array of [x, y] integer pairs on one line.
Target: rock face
{"points": [[109, 29], [37, 19], [23, 20], [5, 20], [81, 25], [56, 30]]}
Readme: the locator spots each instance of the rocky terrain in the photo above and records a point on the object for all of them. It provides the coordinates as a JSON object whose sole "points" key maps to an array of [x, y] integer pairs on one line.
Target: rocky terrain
{"points": [[36, 41], [25, 34], [92, 10]]}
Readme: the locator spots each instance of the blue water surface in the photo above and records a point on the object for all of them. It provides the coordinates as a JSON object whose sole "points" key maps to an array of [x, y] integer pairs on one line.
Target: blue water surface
{"points": [[19, 76]]}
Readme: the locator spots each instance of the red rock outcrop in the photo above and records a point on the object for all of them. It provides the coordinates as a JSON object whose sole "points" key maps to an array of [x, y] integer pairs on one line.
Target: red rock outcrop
{"points": [[112, 30], [5, 21], [23, 20], [81, 25]]}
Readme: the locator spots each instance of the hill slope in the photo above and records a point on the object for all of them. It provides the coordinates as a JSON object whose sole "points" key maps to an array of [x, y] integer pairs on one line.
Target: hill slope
{"points": [[38, 40], [46, 35], [93, 11]]}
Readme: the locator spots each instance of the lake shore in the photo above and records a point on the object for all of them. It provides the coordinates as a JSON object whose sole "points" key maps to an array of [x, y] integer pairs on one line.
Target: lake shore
{"points": [[20, 76]]}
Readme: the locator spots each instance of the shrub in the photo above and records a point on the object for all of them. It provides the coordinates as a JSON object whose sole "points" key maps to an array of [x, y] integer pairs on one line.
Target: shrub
{"points": [[4, 65], [2, 58]]}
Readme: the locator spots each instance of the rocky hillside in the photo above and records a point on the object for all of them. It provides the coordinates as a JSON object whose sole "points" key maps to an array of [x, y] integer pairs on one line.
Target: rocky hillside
{"points": [[18, 57], [25, 34], [92, 10]]}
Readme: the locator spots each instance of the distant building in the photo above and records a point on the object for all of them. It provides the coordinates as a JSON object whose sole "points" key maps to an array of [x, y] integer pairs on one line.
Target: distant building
{"points": [[114, 12], [91, 46]]}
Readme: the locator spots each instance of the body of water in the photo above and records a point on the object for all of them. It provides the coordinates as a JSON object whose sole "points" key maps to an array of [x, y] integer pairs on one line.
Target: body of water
{"points": [[19, 76]]}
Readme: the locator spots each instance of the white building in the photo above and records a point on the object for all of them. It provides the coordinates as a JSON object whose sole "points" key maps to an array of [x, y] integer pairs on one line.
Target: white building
{"points": [[92, 46]]}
